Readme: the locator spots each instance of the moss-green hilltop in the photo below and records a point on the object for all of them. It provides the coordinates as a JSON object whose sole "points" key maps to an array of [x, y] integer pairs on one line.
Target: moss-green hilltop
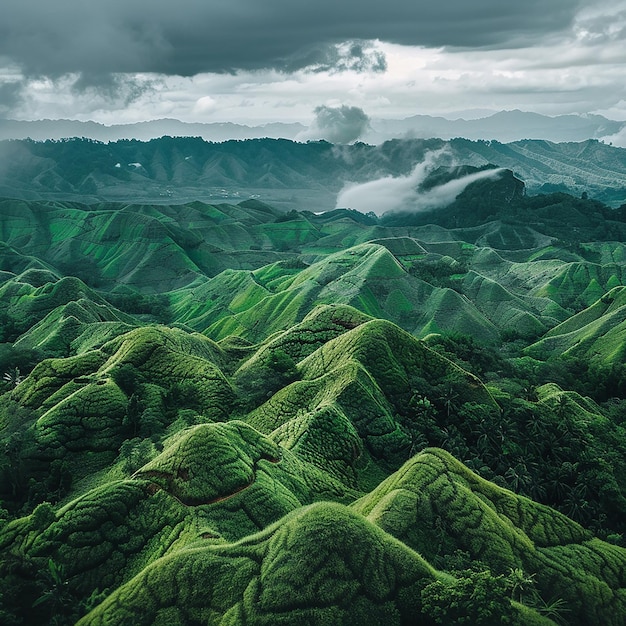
{"points": [[224, 414]]}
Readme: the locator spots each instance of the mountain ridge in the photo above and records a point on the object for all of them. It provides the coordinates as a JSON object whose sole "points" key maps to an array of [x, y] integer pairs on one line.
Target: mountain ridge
{"points": [[504, 126], [284, 173]]}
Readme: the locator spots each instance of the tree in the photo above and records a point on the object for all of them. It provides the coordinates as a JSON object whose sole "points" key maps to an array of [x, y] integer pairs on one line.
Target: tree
{"points": [[470, 597], [127, 377], [449, 399], [13, 377], [135, 453], [275, 371], [55, 594], [520, 584], [43, 516]]}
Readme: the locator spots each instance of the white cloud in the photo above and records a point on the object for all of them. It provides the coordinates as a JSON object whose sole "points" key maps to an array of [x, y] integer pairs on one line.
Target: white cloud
{"points": [[388, 193], [204, 105], [618, 140], [403, 193]]}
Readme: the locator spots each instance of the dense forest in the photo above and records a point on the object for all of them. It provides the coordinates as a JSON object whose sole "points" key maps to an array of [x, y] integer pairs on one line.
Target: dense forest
{"points": [[286, 174], [227, 413]]}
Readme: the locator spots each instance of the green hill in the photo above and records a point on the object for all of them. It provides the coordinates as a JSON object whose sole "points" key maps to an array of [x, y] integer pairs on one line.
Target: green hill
{"points": [[596, 333], [228, 414]]}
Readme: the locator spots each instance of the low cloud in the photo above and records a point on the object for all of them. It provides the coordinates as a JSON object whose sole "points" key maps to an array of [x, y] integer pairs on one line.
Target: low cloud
{"points": [[340, 125], [402, 194], [447, 193], [618, 139]]}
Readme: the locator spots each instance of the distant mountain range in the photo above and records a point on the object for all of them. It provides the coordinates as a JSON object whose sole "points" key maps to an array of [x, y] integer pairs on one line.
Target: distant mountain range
{"points": [[503, 126], [288, 174], [40, 130]]}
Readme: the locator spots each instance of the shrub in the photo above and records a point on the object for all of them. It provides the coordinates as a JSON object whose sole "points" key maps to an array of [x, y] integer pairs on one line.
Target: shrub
{"points": [[472, 597]]}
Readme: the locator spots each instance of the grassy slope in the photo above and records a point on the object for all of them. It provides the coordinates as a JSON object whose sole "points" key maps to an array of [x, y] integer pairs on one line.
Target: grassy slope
{"points": [[256, 266], [283, 452], [597, 333], [332, 434]]}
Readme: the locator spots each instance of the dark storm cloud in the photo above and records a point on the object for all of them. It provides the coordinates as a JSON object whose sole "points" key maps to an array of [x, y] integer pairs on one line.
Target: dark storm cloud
{"points": [[111, 87], [10, 96], [187, 37], [599, 30], [359, 56]]}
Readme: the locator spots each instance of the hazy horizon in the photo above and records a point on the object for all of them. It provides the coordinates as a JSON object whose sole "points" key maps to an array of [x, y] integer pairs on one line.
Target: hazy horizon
{"points": [[280, 62]]}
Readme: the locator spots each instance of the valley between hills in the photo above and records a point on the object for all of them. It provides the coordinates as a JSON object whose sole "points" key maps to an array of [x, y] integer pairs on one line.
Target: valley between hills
{"points": [[229, 411]]}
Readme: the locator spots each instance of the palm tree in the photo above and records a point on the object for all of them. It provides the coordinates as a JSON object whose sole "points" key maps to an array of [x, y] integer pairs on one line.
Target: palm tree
{"points": [[519, 583], [55, 592], [13, 377], [449, 399]]}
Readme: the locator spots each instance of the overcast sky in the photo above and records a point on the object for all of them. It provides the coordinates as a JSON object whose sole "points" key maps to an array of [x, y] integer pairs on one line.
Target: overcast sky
{"points": [[258, 61]]}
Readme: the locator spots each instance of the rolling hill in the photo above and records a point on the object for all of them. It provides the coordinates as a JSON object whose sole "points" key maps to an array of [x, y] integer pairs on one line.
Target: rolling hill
{"points": [[226, 413]]}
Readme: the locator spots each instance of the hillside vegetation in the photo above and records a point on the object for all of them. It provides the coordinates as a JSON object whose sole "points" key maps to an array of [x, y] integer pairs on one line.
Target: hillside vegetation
{"points": [[286, 173], [229, 414]]}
